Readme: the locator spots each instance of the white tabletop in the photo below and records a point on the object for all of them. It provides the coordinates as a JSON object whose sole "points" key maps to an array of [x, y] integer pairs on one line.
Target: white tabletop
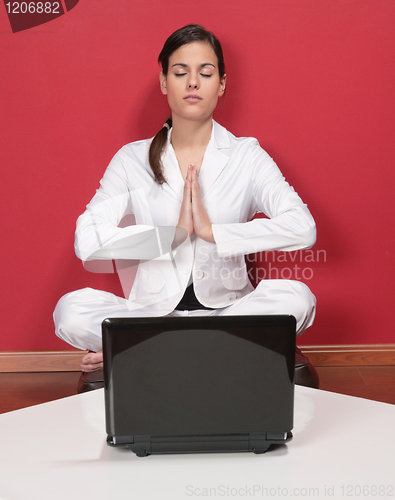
{"points": [[342, 447]]}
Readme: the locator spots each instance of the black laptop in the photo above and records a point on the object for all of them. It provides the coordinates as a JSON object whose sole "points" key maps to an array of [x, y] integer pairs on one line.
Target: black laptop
{"points": [[199, 384]]}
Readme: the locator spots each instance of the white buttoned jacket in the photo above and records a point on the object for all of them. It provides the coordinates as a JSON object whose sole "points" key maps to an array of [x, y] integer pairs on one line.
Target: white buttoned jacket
{"points": [[237, 180]]}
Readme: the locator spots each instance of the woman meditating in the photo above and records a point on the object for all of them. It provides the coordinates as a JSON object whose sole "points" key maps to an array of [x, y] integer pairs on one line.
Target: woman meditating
{"points": [[193, 190]]}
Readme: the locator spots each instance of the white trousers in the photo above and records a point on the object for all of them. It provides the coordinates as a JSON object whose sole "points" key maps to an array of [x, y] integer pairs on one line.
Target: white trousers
{"points": [[78, 315]]}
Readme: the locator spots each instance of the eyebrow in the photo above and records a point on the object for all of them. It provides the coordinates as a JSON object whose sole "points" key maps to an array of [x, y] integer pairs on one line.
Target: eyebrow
{"points": [[183, 65]]}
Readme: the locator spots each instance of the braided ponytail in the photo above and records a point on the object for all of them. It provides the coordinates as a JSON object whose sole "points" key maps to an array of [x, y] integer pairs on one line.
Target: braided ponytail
{"points": [[155, 152]]}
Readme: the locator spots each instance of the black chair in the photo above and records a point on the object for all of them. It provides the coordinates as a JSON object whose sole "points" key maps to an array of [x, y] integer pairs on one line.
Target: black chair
{"points": [[305, 374], [89, 381]]}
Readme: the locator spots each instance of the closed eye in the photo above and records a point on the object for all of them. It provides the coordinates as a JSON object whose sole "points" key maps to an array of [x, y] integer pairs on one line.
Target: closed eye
{"points": [[202, 74]]}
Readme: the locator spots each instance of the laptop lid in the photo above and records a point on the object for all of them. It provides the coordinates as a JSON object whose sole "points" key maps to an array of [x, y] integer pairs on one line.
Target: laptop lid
{"points": [[199, 384]]}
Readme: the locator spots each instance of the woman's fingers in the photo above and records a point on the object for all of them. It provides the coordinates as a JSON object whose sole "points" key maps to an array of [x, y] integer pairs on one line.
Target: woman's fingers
{"points": [[201, 221], [193, 216], [185, 218]]}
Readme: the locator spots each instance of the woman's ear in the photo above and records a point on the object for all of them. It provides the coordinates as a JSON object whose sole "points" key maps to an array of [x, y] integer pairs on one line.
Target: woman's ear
{"points": [[222, 86], [162, 80]]}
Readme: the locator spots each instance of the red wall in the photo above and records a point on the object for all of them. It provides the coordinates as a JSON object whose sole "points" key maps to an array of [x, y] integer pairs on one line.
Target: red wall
{"points": [[312, 80]]}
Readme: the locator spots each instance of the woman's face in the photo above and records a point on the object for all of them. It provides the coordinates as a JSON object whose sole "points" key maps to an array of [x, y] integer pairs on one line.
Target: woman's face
{"points": [[192, 84]]}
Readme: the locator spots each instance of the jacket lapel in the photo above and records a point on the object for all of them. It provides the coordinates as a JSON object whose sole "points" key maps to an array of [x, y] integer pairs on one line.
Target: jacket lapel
{"points": [[215, 158], [171, 169]]}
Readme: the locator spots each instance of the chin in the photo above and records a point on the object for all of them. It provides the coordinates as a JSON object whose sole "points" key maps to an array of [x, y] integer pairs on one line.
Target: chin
{"points": [[196, 115]]}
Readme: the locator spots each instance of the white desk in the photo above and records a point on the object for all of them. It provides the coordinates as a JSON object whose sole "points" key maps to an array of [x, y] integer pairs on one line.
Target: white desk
{"points": [[342, 447]]}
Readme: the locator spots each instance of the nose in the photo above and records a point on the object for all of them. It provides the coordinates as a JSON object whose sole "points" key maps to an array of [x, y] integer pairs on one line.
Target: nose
{"points": [[193, 82]]}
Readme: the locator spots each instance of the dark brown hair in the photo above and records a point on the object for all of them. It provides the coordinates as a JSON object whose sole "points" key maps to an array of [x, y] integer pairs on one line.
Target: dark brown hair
{"points": [[183, 36]]}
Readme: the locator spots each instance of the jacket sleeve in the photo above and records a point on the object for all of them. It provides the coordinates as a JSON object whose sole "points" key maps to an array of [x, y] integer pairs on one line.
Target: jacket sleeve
{"points": [[289, 225], [98, 235]]}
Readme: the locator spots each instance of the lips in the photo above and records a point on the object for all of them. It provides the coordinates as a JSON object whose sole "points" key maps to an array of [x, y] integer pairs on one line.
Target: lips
{"points": [[192, 98]]}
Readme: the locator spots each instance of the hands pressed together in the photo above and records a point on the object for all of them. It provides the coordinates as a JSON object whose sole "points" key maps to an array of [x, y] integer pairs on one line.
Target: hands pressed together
{"points": [[193, 216]]}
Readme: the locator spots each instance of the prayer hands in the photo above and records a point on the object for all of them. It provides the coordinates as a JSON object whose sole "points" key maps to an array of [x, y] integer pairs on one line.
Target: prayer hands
{"points": [[193, 216]]}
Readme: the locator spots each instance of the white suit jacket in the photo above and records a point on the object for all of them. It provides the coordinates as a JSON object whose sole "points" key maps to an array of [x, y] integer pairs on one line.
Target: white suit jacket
{"points": [[237, 180]]}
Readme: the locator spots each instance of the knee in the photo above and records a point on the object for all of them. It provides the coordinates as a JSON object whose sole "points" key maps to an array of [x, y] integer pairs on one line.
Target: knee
{"points": [[303, 297], [303, 305], [64, 313], [68, 319]]}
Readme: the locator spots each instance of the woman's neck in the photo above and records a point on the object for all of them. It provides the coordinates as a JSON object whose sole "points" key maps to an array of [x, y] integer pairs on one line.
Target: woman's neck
{"points": [[187, 134], [189, 140]]}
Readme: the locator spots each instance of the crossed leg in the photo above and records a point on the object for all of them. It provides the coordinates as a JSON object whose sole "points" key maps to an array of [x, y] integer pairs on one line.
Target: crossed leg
{"points": [[78, 315]]}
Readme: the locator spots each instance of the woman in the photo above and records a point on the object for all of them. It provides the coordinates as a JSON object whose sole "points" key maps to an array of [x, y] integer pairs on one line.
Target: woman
{"points": [[198, 177]]}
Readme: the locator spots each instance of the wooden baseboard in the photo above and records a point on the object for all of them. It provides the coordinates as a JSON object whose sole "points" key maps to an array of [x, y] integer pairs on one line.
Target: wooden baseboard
{"points": [[351, 355], [329, 355], [40, 361]]}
